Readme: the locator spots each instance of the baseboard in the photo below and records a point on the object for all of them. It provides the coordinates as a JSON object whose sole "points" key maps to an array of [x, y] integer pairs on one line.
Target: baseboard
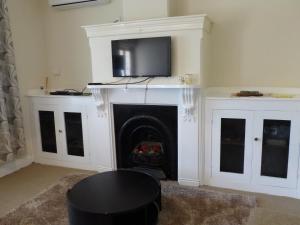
{"points": [[254, 188], [67, 164], [189, 182], [15, 165], [101, 169]]}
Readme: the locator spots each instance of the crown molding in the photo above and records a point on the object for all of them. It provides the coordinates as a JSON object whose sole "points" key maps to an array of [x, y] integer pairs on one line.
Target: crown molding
{"points": [[194, 22]]}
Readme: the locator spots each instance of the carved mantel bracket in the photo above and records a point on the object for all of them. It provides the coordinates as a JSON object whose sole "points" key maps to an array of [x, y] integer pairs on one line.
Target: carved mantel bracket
{"points": [[100, 96], [189, 98]]}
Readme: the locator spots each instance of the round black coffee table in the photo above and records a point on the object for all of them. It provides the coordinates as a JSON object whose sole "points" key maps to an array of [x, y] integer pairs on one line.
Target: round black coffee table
{"points": [[115, 198]]}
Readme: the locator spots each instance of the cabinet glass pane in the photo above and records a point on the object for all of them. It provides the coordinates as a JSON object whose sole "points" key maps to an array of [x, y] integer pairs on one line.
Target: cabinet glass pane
{"points": [[47, 129], [275, 148], [73, 124], [232, 145]]}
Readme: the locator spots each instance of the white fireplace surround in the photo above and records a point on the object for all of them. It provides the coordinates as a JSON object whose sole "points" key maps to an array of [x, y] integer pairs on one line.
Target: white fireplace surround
{"points": [[189, 157], [189, 45]]}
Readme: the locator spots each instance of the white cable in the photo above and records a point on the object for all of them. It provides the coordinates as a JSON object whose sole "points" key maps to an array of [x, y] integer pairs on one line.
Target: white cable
{"points": [[146, 90], [126, 86]]}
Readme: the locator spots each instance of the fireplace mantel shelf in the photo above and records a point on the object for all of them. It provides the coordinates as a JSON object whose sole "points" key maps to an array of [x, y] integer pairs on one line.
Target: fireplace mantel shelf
{"points": [[143, 86], [188, 95]]}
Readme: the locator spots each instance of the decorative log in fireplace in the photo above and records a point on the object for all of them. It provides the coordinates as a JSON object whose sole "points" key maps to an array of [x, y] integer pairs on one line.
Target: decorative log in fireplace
{"points": [[149, 154]]}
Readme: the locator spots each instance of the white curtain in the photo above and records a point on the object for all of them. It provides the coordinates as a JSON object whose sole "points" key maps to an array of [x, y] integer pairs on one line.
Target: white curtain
{"points": [[11, 126]]}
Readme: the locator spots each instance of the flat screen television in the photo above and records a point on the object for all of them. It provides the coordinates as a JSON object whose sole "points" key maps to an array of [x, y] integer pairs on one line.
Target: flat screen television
{"points": [[143, 57]]}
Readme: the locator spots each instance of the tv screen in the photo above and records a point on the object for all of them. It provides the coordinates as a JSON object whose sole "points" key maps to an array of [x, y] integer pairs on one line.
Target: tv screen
{"points": [[143, 57]]}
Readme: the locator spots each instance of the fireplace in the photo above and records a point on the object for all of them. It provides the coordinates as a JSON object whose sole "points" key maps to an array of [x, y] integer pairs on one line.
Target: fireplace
{"points": [[146, 137]]}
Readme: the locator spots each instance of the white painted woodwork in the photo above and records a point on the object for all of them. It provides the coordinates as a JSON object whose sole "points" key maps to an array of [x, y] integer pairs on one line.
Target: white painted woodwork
{"points": [[144, 86], [59, 106], [294, 145], [197, 163], [188, 130], [216, 143], [189, 47], [100, 129], [254, 110], [188, 95]]}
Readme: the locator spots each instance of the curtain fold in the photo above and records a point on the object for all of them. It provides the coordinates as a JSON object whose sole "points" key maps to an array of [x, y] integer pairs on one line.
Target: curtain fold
{"points": [[12, 139]]}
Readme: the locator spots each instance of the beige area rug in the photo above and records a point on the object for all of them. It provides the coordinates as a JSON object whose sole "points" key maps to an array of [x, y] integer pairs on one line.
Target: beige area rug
{"points": [[181, 206]]}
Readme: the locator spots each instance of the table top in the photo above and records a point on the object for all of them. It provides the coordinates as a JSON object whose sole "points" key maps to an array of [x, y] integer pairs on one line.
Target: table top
{"points": [[114, 192]]}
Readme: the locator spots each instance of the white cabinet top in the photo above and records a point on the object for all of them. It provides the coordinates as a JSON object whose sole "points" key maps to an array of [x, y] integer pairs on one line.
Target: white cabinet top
{"points": [[270, 94], [144, 86]]}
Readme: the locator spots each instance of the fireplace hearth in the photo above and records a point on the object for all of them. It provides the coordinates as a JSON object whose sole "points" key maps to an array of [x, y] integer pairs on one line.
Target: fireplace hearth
{"points": [[146, 137]]}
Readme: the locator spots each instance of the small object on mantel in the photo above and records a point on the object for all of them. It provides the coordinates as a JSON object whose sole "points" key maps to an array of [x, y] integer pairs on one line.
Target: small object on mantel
{"points": [[274, 95], [249, 94], [186, 79], [71, 93]]}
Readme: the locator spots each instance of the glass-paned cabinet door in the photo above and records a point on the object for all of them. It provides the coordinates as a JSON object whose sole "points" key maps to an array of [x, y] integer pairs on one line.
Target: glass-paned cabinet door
{"points": [[231, 144], [74, 135], [74, 138], [47, 131], [276, 149]]}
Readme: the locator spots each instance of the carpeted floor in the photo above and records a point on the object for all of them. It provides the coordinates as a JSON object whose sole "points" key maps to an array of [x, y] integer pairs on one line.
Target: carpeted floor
{"points": [[181, 206]]}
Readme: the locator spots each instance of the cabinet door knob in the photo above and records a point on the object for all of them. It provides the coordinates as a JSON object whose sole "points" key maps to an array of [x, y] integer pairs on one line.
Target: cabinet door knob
{"points": [[256, 139], [60, 131]]}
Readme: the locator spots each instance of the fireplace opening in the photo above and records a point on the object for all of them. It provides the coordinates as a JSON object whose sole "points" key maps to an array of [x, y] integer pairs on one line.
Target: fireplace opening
{"points": [[146, 138]]}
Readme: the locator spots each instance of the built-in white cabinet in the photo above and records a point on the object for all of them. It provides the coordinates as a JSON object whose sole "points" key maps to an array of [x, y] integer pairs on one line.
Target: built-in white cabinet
{"points": [[252, 146], [61, 133]]}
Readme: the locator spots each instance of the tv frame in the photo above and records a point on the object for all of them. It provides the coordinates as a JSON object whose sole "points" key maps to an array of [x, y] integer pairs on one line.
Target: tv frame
{"points": [[150, 75]]}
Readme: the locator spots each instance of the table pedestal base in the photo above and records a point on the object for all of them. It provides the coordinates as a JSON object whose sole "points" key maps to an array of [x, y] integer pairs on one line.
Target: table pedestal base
{"points": [[144, 216]]}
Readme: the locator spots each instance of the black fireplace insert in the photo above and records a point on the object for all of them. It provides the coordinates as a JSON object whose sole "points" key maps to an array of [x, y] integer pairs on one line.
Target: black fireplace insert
{"points": [[146, 137]]}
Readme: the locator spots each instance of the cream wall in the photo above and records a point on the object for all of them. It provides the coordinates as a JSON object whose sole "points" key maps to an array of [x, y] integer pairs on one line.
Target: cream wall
{"points": [[254, 42], [26, 19], [67, 48], [146, 9]]}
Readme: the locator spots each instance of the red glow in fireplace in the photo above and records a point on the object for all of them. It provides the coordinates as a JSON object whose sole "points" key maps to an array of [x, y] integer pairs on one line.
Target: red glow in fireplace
{"points": [[148, 154]]}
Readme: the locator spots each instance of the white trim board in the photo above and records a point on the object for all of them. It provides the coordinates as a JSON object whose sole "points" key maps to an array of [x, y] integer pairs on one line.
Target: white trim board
{"points": [[193, 22], [15, 165]]}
